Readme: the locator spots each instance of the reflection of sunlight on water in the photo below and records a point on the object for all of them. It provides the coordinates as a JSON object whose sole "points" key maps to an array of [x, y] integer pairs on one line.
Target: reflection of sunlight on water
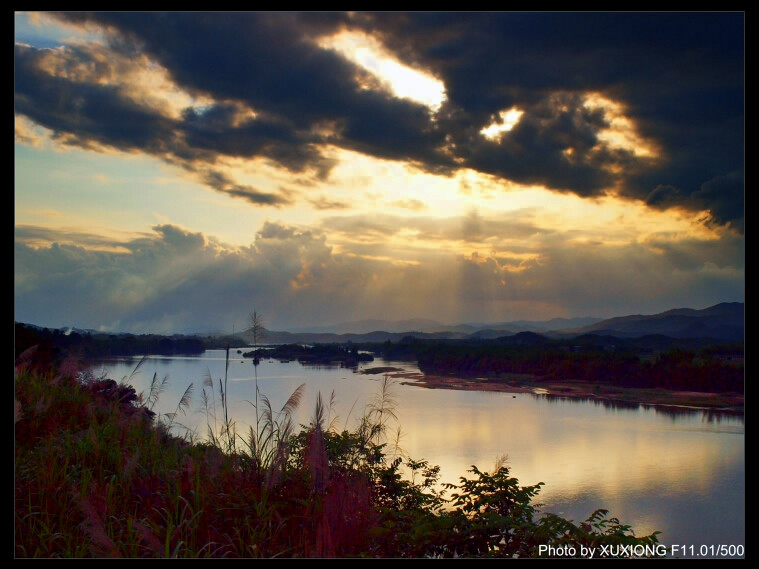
{"points": [[652, 468]]}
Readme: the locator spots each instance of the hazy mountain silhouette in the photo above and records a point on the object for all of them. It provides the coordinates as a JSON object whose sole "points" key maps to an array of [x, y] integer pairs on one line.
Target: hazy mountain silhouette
{"points": [[426, 325], [723, 321], [275, 337], [375, 325]]}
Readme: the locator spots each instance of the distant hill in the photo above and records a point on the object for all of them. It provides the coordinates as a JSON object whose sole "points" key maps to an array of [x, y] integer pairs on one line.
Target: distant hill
{"points": [[724, 322], [274, 337], [427, 326], [375, 325], [550, 325], [524, 339]]}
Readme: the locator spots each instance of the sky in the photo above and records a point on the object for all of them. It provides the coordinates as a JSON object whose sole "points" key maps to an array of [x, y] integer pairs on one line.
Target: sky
{"points": [[176, 171]]}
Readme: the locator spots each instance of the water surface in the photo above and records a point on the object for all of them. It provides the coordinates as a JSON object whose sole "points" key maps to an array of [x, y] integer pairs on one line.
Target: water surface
{"points": [[681, 473]]}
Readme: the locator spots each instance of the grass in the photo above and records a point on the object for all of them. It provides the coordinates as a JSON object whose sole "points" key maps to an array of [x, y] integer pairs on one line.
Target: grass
{"points": [[99, 474]]}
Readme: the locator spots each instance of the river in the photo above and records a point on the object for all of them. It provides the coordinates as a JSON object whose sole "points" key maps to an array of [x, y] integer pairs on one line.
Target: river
{"points": [[681, 473]]}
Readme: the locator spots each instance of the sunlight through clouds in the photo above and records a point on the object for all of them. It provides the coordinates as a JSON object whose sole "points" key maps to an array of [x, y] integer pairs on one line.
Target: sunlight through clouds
{"points": [[397, 78], [507, 121], [621, 131], [400, 155]]}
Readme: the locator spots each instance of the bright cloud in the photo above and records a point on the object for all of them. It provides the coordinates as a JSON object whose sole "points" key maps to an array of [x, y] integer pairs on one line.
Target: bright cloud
{"points": [[506, 121], [392, 75]]}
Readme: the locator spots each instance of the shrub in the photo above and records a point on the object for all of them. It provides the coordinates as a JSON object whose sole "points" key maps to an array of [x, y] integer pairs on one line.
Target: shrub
{"points": [[98, 474]]}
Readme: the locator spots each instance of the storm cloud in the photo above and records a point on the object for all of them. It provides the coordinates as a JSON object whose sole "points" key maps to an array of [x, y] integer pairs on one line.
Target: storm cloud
{"points": [[675, 81]]}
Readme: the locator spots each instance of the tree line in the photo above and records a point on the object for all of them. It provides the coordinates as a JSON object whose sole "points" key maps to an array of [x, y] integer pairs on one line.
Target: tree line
{"points": [[57, 343], [704, 371]]}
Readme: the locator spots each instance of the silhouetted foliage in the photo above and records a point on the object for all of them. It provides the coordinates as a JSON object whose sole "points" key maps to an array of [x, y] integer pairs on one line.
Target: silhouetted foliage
{"points": [[318, 354], [711, 369], [91, 345], [97, 476]]}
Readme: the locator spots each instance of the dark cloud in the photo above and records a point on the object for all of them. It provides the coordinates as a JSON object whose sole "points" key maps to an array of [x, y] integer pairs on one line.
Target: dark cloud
{"points": [[86, 110], [268, 60], [663, 196], [678, 75], [724, 196], [85, 113], [222, 183], [219, 129]]}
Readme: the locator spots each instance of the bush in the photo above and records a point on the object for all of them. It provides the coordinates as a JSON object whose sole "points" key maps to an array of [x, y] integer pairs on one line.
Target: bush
{"points": [[98, 474]]}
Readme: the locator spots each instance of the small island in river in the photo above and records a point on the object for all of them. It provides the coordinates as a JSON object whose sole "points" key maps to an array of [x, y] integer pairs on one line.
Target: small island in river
{"points": [[318, 354]]}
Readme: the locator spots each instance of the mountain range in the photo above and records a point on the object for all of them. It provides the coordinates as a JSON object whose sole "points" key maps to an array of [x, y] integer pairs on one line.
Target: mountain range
{"points": [[432, 326], [722, 322]]}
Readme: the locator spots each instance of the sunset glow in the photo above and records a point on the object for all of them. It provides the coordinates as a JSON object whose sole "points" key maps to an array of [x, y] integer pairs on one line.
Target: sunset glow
{"points": [[401, 80], [327, 166]]}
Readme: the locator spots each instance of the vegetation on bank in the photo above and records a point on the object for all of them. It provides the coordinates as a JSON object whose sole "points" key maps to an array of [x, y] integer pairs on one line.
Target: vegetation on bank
{"points": [[712, 369], [56, 344], [99, 474]]}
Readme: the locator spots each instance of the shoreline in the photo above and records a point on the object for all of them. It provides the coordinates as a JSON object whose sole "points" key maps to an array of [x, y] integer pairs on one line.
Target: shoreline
{"points": [[729, 403]]}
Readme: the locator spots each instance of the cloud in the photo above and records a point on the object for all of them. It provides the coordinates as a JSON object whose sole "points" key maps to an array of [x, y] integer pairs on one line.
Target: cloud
{"points": [[664, 195], [26, 133], [73, 93], [724, 196], [470, 227], [411, 203], [157, 278], [675, 80], [645, 109], [323, 203], [678, 76], [176, 280], [600, 280], [222, 183], [36, 236]]}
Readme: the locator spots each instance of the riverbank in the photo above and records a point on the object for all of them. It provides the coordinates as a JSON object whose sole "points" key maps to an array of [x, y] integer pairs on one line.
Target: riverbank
{"points": [[529, 384]]}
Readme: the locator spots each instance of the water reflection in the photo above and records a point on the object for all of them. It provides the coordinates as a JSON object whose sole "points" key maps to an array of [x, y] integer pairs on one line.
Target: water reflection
{"points": [[677, 470], [672, 411]]}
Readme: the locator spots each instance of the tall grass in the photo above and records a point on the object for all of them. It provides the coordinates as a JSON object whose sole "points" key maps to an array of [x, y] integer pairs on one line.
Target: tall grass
{"points": [[99, 474]]}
